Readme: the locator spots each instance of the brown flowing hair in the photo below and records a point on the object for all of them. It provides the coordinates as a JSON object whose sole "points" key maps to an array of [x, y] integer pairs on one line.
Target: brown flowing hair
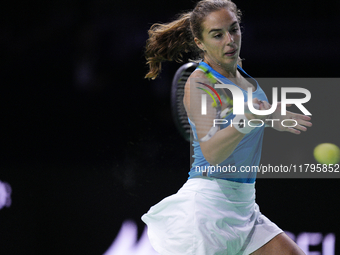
{"points": [[168, 42]]}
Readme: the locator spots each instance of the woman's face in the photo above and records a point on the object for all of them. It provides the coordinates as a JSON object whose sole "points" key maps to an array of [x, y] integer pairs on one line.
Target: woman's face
{"points": [[221, 38]]}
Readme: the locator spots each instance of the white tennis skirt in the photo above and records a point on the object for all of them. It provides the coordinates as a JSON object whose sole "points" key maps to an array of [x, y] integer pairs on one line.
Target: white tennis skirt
{"points": [[209, 216]]}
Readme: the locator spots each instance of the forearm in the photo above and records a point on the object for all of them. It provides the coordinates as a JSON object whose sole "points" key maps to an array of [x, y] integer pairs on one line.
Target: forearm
{"points": [[221, 145]]}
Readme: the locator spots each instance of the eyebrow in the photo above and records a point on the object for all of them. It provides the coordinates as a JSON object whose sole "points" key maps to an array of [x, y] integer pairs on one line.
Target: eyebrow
{"points": [[220, 29]]}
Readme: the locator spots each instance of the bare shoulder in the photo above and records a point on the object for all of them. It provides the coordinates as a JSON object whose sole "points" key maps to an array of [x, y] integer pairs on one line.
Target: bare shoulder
{"points": [[197, 74], [194, 76]]}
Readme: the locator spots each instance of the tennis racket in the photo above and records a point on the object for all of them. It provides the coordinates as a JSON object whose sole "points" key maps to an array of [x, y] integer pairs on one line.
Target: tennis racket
{"points": [[177, 93]]}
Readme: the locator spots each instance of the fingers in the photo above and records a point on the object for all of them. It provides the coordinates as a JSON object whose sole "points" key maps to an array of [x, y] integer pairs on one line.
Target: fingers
{"points": [[302, 117], [301, 125], [256, 103], [305, 123], [293, 131], [300, 128], [261, 105], [264, 105], [303, 120]]}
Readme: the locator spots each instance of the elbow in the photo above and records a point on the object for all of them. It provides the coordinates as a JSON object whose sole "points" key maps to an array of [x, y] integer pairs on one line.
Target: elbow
{"points": [[211, 160], [215, 154], [214, 159]]}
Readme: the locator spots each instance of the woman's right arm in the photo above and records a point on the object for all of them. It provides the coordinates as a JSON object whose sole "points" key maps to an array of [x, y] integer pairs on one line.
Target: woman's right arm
{"points": [[224, 142]]}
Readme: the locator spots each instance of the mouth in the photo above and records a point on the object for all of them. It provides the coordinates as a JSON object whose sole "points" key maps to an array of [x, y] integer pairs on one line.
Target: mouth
{"points": [[231, 53]]}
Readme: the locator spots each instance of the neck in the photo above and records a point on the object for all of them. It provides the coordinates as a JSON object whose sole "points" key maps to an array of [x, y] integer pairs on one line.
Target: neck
{"points": [[227, 70]]}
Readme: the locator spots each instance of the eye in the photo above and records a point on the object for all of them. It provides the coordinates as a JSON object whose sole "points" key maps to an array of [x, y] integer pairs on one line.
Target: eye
{"points": [[217, 36], [234, 30]]}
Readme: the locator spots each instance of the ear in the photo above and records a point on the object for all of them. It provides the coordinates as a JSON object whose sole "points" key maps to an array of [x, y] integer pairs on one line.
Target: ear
{"points": [[199, 43]]}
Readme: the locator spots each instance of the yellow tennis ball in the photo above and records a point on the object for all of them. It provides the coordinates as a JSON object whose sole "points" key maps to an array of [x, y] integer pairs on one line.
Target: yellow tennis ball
{"points": [[327, 153]]}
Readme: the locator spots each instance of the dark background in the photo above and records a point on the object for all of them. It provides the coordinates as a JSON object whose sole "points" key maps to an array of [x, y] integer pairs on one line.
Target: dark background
{"points": [[88, 143]]}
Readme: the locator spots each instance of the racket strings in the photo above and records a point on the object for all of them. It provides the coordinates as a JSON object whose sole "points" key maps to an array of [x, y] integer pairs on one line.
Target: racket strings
{"points": [[182, 115]]}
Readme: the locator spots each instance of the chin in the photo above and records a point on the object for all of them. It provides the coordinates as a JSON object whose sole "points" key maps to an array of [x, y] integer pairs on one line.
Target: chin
{"points": [[230, 61]]}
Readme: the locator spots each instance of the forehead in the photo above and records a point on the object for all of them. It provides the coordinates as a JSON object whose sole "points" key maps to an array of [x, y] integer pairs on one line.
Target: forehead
{"points": [[219, 19]]}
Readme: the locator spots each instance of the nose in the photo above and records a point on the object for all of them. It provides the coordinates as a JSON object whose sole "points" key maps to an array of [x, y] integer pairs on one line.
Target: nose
{"points": [[230, 39]]}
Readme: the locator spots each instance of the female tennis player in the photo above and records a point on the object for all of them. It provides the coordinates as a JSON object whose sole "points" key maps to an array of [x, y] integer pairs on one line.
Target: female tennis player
{"points": [[215, 211]]}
